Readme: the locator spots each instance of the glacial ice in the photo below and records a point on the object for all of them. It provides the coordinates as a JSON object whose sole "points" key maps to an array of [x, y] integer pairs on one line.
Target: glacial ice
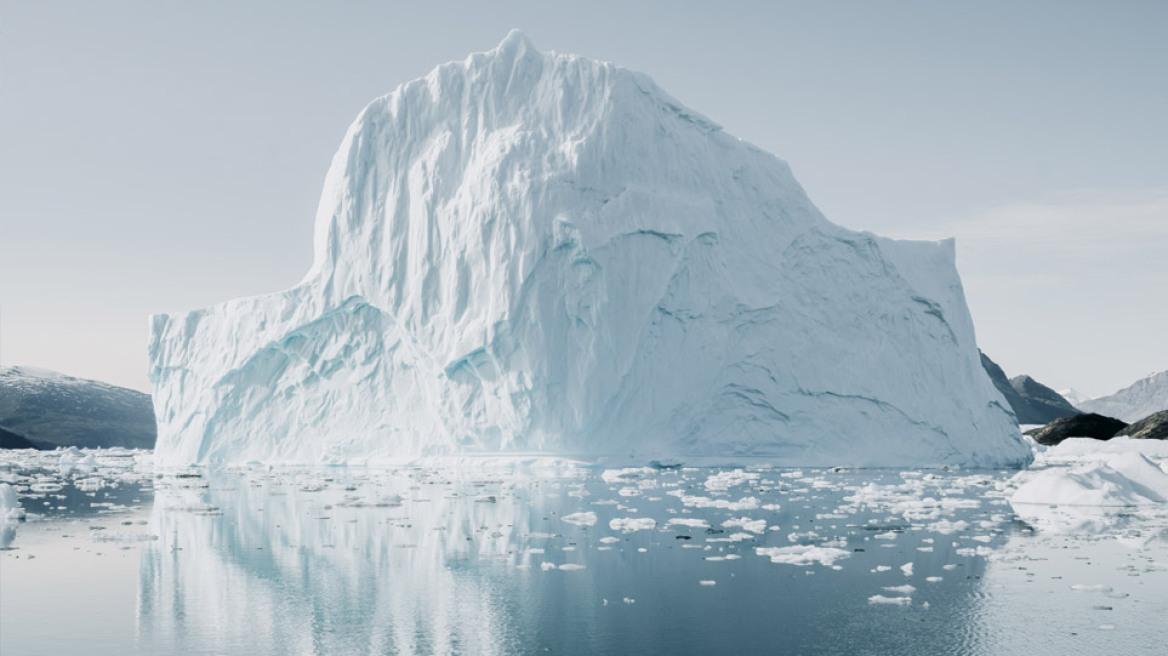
{"points": [[533, 254]]}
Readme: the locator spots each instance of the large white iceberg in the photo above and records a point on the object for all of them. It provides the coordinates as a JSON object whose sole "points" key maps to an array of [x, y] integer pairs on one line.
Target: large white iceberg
{"points": [[533, 253]]}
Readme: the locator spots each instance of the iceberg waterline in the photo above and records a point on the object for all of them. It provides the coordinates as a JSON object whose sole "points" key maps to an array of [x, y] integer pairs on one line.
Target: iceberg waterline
{"points": [[533, 253]]}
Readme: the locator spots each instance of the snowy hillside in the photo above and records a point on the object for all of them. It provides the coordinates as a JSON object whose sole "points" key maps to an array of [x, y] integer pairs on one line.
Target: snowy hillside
{"points": [[1135, 402], [526, 252], [50, 409]]}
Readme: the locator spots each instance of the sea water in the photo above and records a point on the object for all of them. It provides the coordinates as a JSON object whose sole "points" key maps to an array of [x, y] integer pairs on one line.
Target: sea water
{"points": [[116, 559]]}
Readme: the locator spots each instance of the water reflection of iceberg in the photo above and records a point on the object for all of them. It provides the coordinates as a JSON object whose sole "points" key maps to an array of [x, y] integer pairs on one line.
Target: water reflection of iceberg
{"points": [[391, 562]]}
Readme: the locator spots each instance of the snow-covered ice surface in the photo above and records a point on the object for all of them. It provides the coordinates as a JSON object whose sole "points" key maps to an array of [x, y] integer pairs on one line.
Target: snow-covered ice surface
{"points": [[534, 253], [439, 560]]}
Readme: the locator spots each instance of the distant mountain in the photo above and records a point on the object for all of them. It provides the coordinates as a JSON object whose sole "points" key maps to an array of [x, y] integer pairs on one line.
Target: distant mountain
{"points": [[49, 409], [1074, 397], [1142, 398], [1033, 402]]}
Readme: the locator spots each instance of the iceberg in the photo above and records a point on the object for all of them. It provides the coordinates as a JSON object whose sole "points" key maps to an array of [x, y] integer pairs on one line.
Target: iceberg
{"points": [[529, 254]]}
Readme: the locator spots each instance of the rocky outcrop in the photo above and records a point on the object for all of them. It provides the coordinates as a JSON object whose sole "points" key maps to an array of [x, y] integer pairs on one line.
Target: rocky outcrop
{"points": [[1152, 427], [1082, 425]]}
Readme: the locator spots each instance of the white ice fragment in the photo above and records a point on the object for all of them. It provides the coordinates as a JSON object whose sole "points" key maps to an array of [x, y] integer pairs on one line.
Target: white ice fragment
{"points": [[905, 589], [747, 524], [893, 601], [630, 524], [907, 568], [803, 555], [580, 518], [692, 522]]}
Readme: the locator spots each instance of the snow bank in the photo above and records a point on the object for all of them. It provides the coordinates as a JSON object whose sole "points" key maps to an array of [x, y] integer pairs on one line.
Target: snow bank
{"points": [[1080, 485], [532, 253]]}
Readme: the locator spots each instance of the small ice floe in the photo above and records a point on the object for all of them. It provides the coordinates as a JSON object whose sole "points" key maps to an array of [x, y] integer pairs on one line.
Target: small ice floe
{"points": [[571, 567], [629, 492], [882, 568], [581, 518], [907, 568], [947, 527], [707, 583], [905, 589], [803, 555], [723, 481], [10, 508], [1102, 479], [609, 539], [1098, 587], [630, 524], [545, 566], [629, 600], [121, 537], [692, 522], [747, 524], [745, 503], [626, 474], [891, 601]]}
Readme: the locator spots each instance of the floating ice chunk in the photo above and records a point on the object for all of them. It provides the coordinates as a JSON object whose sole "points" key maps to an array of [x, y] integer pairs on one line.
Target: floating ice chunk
{"points": [[609, 539], [707, 583], [545, 566], [934, 579], [630, 524], [745, 503], [581, 518], [571, 567], [892, 601], [803, 555], [10, 508], [905, 589], [692, 522], [907, 568], [1098, 587], [747, 524], [625, 474], [723, 481]]}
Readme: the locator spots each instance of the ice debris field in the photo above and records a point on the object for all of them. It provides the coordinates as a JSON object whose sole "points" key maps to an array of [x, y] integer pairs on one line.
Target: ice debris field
{"points": [[931, 543]]}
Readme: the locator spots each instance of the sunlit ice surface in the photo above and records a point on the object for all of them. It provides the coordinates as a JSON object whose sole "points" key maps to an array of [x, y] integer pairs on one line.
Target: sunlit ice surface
{"points": [[113, 558]]}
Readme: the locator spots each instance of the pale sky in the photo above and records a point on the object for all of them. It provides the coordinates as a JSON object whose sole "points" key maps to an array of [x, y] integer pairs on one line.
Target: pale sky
{"points": [[161, 156]]}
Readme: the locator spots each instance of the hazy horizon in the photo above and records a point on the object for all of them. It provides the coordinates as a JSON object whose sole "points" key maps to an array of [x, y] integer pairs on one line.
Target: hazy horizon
{"points": [[159, 158]]}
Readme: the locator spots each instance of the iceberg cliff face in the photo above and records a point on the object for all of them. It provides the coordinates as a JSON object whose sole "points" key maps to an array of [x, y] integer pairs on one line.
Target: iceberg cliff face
{"points": [[538, 253]]}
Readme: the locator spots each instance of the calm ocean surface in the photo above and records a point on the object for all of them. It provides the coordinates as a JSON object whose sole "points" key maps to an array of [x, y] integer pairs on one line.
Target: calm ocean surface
{"points": [[580, 561]]}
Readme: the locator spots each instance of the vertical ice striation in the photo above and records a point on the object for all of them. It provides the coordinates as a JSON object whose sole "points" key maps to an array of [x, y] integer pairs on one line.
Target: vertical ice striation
{"points": [[529, 252]]}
